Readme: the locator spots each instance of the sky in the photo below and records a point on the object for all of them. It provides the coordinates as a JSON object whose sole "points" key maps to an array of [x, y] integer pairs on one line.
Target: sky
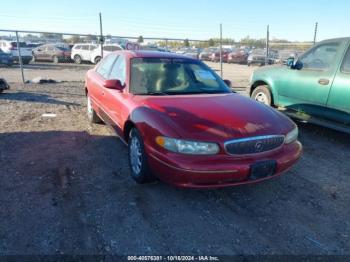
{"points": [[192, 19]]}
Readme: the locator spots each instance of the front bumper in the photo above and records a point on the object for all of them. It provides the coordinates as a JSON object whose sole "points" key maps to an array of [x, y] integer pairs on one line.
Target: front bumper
{"points": [[219, 170]]}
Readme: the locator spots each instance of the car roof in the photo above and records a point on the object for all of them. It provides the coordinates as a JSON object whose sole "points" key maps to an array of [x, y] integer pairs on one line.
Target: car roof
{"points": [[336, 39], [150, 54]]}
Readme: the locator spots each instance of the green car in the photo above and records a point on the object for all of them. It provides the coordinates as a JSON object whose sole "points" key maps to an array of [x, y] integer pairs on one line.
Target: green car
{"points": [[314, 88]]}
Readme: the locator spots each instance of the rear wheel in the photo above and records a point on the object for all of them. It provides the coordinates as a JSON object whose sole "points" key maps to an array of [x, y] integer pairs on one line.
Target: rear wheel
{"points": [[97, 60], [77, 59], [263, 95], [139, 168], [92, 115]]}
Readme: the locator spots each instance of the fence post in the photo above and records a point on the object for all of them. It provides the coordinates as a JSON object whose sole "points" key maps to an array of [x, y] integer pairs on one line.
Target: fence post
{"points": [[315, 35], [267, 45], [101, 36], [221, 71], [20, 57]]}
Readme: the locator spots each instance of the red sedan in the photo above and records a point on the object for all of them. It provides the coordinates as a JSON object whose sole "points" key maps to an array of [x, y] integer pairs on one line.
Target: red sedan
{"points": [[184, 125]]}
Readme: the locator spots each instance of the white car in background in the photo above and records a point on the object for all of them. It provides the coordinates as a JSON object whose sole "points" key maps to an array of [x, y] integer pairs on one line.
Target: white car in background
{"points": [[107, 49], [82, 52], [10, 47]]}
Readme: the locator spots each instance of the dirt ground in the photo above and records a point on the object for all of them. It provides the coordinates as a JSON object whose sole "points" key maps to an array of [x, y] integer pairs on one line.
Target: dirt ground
{"points": [[65, 188]]}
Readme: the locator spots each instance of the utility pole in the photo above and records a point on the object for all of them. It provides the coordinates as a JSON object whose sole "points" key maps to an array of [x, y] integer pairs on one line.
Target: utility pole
{"points": [[20, 57], [101, 36], [221, 71], [315, 35], [267, 45]]}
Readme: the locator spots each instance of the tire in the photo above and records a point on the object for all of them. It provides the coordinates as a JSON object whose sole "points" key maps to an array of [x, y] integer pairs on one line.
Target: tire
{"points": [[92, 115], [263, 95], [25, 62], [77, 59], [55, 60], [139, 168], [97, 60]]}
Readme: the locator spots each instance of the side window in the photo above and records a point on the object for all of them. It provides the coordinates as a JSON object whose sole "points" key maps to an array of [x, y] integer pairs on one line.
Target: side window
{"points": [[105, 66], [78, 47], [119, 70], [321, 57], [93, 47], [85, 47], [345, 68]]}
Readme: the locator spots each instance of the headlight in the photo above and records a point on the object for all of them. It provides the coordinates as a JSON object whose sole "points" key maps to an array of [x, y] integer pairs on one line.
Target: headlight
{"points": [[292, 136], [187, 147]]}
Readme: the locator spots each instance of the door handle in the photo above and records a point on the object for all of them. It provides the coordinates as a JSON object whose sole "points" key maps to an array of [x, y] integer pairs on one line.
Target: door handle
{"points": [[323, 82]]}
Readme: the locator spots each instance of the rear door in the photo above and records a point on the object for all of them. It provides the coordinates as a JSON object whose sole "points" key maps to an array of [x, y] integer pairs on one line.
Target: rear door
{"points": [[339, 96]]}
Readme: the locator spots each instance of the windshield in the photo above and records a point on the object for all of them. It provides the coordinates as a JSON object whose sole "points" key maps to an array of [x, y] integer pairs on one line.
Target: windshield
{"points": [[167, 76]]}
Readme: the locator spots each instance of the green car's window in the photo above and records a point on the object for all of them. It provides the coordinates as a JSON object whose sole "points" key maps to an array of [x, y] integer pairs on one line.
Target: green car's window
{"points": [[346, 63], [321, 57]]}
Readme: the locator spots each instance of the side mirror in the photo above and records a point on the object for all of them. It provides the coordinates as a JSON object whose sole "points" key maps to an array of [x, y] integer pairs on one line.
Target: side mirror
{"points": [[228, 83], [290, 61], [114, 84]]}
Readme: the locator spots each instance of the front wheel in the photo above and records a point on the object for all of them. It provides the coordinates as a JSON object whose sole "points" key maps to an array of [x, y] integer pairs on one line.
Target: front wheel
{"points": [[139, 168], [55, 60], [77, 59], [263, 95]]}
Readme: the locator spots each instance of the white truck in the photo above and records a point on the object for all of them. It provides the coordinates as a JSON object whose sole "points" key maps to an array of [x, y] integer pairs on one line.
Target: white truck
{"points": [[91, 52]]}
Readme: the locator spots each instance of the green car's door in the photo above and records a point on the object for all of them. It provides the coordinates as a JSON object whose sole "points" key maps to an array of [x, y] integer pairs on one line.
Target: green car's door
{"points": [[308, 88], [339, 96]]}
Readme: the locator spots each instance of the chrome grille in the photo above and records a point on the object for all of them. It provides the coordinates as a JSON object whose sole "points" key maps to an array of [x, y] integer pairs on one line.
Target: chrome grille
{"points": [[253, 145]]}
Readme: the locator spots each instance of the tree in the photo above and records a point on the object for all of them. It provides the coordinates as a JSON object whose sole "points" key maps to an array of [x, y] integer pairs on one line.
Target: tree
{"points": [[73, 39], [140, 39], [187, 43], [211, 42], [91, 38], [51, 36]]}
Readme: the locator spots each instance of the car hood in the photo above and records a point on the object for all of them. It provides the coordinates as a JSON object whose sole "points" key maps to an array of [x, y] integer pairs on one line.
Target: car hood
{"points": [[217, 117]]}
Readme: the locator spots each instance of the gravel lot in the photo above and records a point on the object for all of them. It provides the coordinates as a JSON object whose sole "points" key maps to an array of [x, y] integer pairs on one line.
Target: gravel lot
{"points": [[65, 188]]}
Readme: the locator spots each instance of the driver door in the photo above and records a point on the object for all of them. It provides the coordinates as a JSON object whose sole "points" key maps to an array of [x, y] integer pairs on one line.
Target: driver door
{"points": [[310, 86]]}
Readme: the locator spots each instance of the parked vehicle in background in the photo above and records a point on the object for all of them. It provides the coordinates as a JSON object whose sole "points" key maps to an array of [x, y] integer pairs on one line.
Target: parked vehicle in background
{"points": [[258, 57], [10, 47], [5, 59], [193, 53], [82, 52], [315, 87], [206, 53], [184, 125], [239, 56], [52, 52], [284, 55], [95, 56], [215, 57]]}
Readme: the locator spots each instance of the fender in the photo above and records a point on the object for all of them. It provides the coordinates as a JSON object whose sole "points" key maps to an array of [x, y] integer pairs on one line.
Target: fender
{"points": [[150, 123]]}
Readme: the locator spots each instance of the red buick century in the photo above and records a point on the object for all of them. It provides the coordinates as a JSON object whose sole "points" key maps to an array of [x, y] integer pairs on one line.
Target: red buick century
{"points": [[184, 125]]}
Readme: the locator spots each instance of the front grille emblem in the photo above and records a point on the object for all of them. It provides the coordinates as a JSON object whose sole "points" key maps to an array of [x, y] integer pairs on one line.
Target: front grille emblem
{"points": [[259, 146]]}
